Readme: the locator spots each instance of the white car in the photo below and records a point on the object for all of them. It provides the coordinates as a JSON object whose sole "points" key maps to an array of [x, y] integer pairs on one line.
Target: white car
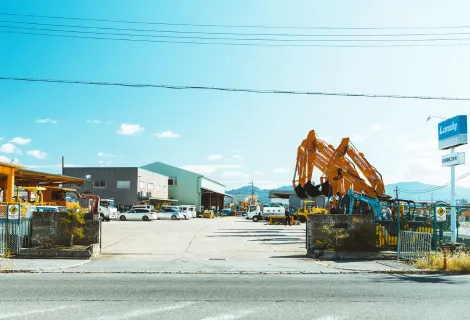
{"points": [[138, 214], [168, 213], [180, 215]]}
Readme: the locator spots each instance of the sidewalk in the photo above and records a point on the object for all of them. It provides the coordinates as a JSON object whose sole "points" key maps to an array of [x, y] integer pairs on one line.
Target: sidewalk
{"points": [[192, 265], [39, 265]]}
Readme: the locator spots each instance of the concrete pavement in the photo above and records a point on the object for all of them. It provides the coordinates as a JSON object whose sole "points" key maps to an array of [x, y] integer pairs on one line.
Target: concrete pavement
{"points": [[210, 246], [225, 297]]}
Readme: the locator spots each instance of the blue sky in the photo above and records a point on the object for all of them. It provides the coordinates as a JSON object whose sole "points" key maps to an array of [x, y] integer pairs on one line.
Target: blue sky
{"points": [[231, 137]]}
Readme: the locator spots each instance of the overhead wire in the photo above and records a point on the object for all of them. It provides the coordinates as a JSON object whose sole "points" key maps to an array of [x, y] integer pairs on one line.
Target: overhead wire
{"points": [[434, 188], [236, 33], [232, 26], [227, 89], [252, 44], [235, 39]]}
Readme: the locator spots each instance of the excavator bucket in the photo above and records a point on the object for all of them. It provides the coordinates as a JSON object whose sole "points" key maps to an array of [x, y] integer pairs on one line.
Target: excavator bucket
{"points": [[300, 191], [326, 189], [312, 190]]}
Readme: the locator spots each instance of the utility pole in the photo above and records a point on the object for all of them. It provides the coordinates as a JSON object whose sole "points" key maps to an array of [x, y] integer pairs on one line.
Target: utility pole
{"points": [[252, 193]]}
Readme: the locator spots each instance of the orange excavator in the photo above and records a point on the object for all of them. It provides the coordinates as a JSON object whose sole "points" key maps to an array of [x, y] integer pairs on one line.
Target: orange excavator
{"points": [[339, 173], [315, 152]]}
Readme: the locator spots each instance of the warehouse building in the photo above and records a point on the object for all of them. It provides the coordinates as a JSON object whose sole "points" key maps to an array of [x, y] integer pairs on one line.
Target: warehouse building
{"points": [[126, 185], [191, 188]]}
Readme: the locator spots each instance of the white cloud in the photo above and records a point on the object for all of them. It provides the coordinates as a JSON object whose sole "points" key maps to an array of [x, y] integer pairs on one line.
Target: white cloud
{"points": [[280, 170], [376, 127], [20, 141], [208, 169], [258, 173], [37, 154], [46, 121], [235, 157], [215, 157], [93, 121], [130, 129], [8, 160], [234, 174], [9, 148], [167, 134], [107, 155]]}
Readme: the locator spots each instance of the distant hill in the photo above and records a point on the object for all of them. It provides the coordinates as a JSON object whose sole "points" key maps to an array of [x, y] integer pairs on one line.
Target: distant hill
{"points": [[414, 190]]}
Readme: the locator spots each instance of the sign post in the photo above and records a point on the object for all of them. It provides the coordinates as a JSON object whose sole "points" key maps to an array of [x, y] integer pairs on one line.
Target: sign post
{"points": [[453, 133]]}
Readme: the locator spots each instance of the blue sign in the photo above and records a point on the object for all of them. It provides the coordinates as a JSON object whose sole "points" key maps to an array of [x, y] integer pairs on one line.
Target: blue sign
{"points": [[452, 132]]}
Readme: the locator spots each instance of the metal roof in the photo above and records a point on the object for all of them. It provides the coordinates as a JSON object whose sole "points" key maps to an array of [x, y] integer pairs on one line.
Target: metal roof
{"points": [[212, 191], [24, 177]]}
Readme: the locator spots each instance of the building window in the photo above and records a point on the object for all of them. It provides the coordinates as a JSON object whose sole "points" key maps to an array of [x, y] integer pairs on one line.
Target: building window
{"points": [[141, 184], [150, 186], [99, 184], [123, 184], [74, 186], [172, 181]]}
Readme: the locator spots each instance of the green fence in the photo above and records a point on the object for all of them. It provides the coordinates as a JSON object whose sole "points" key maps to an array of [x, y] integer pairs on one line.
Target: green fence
{"points": [[444, 227]]}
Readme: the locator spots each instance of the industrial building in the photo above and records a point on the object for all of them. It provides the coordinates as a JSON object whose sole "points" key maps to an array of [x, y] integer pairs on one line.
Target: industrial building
{"points": [[191, 188], [294, 200], [126, 185]]}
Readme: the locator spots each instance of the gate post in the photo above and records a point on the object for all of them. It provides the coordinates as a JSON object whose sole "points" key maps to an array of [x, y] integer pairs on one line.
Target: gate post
{"points": [[435, 228]]}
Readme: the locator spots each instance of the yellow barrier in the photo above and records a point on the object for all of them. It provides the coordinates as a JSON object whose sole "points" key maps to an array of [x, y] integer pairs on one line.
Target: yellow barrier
{"points": [[272, 219]]}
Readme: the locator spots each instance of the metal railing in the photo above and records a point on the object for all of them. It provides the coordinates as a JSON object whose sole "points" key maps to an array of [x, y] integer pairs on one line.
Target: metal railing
{"points": [[414, 245]]}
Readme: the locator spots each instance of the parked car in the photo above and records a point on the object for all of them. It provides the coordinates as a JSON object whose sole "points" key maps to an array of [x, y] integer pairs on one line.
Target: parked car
{"points": [[193, 211], [169, 213], [180, 214], [138, 214], [185, 210]]}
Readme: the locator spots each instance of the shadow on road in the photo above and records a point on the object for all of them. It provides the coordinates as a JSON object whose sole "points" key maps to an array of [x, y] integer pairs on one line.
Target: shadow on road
{"points": [[443, 279], [295, 256]]}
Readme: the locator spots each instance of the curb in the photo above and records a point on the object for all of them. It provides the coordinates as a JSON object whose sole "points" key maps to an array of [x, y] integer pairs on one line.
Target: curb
{"points": [[398, 271], [233, 272], [43, 270]]}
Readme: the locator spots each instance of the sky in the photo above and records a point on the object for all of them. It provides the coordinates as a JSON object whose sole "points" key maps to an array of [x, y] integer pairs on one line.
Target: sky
{"points": [[233, 138]]}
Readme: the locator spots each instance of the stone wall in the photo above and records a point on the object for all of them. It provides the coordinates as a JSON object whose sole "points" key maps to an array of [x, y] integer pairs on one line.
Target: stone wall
{"points": [[339, 232], [48, 224]]}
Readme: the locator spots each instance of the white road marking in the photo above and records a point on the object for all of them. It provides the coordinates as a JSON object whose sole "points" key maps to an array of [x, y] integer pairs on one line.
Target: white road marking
{"points": [[144, 312], [230, 316], [28, 313], [332, 318]]}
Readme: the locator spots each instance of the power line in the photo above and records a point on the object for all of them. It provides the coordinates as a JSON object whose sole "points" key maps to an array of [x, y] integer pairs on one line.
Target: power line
{"points": [[176, 87], [238, 33], [230, 26], [236, 39], [252, 44], [434, 188]]}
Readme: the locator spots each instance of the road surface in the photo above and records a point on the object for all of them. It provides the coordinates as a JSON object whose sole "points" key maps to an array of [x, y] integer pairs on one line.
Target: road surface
{"points": [[230, 297]]}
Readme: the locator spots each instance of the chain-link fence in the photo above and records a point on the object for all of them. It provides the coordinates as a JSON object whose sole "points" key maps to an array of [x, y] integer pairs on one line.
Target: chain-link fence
{"points": [[443, 215], [15, 229]]}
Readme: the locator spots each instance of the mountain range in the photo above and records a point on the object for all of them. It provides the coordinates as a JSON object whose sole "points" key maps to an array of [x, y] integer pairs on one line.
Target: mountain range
{"points": [[414, 190]]}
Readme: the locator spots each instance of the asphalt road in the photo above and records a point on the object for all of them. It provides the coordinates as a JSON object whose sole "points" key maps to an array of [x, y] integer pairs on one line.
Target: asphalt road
{"points": [[229, 297]]}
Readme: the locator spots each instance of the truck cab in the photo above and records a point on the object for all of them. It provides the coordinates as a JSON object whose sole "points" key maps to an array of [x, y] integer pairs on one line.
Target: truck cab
{"points": [[107, 210]]}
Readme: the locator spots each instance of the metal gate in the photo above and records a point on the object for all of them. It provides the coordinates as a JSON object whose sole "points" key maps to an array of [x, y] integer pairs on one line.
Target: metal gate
{"points": [[414, 245], [15, 230]]}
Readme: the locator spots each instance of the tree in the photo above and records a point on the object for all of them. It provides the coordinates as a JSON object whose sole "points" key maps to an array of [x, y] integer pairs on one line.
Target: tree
{"points": [[73, 221]]}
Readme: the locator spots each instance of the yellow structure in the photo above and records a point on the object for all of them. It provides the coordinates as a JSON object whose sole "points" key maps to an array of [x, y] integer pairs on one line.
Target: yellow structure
{"points": [[12, 176]]}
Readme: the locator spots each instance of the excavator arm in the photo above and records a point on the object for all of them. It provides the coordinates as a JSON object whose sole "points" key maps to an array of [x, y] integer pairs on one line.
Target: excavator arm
{"points": [[375, 184]]}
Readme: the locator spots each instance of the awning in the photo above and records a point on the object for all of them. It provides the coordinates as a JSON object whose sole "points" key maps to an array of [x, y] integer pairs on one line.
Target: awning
{"points": [[205, 190], [29, 178], [281, 194]]}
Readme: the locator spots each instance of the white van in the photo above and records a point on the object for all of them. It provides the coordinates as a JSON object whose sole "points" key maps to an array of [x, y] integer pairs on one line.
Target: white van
{"points": [[193, 211], [184, 209]]}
